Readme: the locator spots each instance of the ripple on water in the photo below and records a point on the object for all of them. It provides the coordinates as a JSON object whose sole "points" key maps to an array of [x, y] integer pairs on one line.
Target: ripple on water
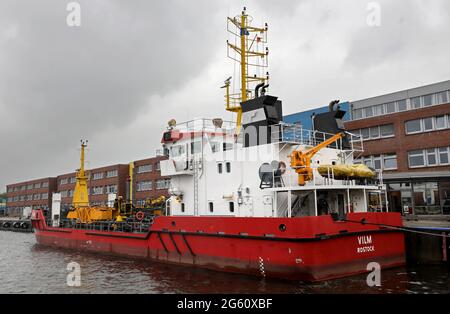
{"points": [[29, 268]]}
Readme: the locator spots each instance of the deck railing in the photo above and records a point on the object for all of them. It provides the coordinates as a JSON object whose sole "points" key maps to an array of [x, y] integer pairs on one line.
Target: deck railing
{"points": [[290, 181], [296, 134], [205, 125], [133, 227]]}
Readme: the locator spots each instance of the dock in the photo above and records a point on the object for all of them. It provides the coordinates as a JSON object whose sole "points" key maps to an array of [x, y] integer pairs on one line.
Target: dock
{"points": [[428, 241]]}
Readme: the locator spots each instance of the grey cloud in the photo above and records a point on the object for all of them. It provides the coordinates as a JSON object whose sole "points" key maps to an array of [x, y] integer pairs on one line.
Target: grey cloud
{"points": [[406, 31], [129, 58], [59, 84]]}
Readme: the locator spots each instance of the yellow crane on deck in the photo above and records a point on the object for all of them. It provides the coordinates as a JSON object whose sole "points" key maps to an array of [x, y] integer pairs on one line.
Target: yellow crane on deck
{"points": [[301, 160]]}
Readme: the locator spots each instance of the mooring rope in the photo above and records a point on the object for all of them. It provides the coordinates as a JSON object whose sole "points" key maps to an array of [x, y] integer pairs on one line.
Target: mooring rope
{"points": [[363, 222]]}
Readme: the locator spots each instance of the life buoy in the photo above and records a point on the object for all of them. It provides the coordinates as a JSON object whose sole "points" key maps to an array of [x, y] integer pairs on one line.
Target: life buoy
{"points": [[140, 216]]}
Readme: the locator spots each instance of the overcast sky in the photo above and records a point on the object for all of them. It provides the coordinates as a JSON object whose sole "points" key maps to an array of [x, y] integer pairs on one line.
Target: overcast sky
{"points": [[134, 65]]}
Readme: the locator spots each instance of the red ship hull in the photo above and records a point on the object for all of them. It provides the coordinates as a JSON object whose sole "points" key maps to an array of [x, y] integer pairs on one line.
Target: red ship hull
{"points": [[309, 248]]}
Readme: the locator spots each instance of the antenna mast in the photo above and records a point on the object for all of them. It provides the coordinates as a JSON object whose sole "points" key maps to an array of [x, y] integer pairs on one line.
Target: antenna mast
{"points": [[252, 55]]}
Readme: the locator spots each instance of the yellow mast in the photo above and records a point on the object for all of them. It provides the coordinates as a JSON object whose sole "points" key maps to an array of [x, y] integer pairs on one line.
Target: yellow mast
{"points": [[243, 59], [248, 48], [80, 194], [130, 175]]}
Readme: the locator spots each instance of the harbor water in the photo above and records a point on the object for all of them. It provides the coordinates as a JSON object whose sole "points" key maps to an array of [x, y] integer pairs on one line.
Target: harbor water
{"points": [[26, 267]]}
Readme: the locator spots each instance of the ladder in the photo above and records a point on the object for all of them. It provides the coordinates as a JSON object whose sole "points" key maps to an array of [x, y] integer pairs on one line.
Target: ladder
{"points": [[196, 172]]}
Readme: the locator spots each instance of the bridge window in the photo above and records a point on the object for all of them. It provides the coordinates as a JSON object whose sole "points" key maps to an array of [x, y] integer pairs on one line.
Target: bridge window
{"points": [[211, 207], [231, 206]]}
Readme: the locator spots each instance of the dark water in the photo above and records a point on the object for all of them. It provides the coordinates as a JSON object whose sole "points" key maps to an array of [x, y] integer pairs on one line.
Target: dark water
{"points": [[26, 267]]}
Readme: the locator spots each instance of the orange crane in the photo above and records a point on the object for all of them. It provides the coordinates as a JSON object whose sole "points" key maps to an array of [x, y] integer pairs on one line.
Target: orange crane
{"points": [[301, 160]]}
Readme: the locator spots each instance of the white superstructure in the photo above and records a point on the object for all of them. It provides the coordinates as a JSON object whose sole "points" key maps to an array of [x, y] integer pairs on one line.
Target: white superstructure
{"points": [[213, 174]]}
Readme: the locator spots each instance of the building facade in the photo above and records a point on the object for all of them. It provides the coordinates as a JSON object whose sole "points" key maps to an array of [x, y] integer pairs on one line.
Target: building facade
{"points": [[33, 194], [102, 181], [114, 179], [148, 182], [2, 205], [407, 135]]}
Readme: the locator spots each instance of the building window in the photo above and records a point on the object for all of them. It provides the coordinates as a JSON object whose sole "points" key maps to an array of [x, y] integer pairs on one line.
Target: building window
{"points": [[219, 167], [365, 134], [145, 168], [390, 107], [415, 103], [357, 114], [378, 110], [413, 126], [416, 159], [211, 207], [431, 157], [112, 174], [231, 207], [97, 190], [368, 162], [428, 100], [162, 184], [402, 105], [63, 181], [387, 130], [374, 132], [377, 162], [442, 98], [111, 189], [368, 112], [441, 122], [98, 176], [144, 186], [390, 162], [428, 124], [443, 155], [426, 198]]}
